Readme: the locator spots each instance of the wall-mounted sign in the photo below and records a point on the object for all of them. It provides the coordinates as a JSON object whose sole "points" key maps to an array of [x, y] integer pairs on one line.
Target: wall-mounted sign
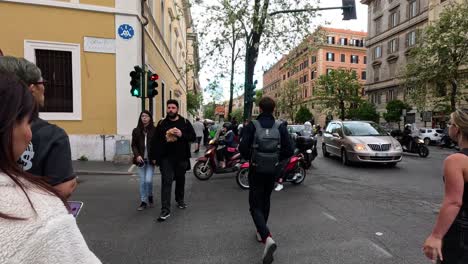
{"points": [[126, 31], [99, 45]]}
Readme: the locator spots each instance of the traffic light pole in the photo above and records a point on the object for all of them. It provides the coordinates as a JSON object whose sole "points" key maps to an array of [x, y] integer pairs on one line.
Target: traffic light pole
{"points": [[143, 62]]}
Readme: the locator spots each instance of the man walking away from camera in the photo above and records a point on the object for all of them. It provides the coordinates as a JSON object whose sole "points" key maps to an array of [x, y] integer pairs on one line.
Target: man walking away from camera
{"points": [[265, 142]]}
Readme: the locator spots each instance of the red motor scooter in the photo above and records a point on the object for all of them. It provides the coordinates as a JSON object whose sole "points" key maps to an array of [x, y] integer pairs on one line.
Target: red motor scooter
{"points": [[207, 165], [294, 171]]}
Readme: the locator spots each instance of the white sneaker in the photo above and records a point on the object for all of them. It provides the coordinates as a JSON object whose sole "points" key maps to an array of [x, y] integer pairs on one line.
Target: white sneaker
{"points": [[270, 248], [279, 187]]}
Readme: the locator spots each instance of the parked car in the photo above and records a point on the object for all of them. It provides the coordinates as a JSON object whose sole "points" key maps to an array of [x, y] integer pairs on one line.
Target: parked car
{"points": [[295, 130], [431, 135], [360, 141]]}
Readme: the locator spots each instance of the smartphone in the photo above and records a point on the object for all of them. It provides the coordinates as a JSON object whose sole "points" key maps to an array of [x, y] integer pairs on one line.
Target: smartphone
{"points": [[75, 207]]}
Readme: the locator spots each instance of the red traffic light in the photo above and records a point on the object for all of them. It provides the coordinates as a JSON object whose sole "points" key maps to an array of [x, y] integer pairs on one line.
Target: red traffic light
{"points": [[154, 77]]}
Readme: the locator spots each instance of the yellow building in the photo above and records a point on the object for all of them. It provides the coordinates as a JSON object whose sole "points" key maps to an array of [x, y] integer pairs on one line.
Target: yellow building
{"points": [[86, 50]]}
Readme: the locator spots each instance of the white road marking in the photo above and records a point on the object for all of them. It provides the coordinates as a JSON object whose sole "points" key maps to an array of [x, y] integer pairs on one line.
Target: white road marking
{"points": [[381, 250], [330, 216]]}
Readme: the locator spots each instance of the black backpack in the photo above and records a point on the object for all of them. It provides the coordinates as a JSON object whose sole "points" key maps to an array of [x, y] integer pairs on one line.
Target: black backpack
{"points": [[266, 148]]}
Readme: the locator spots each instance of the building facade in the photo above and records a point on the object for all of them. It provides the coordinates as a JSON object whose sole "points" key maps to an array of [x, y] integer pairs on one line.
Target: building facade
{"points": [[86, 50], [393, 28], [341, 49]]}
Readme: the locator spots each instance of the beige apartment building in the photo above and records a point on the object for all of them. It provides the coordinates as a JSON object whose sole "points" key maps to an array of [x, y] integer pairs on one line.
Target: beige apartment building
{"points": [[393, 28], [341, 49]]}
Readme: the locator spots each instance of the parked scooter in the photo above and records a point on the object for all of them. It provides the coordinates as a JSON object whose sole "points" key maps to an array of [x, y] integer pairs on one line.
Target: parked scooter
{"points": [[294, 171], [207, 165]]}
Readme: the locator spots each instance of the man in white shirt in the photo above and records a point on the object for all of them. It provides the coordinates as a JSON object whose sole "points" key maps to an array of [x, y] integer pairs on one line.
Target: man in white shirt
{"points": [[198, 127]]}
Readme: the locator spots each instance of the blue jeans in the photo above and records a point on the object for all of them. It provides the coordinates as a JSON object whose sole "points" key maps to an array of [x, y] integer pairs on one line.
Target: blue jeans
{"points": [[146, 181]]}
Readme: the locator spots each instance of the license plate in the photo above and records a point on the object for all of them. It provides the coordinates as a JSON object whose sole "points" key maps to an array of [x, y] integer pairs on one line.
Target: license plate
{"points": [[381, 154]]}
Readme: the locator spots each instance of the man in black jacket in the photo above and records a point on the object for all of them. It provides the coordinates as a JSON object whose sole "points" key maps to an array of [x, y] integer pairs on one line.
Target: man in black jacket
{"points": [[261, 186], [170, 149]]}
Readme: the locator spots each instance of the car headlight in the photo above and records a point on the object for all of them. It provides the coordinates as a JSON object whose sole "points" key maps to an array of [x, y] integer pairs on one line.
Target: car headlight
{"points": [[360, 147], [398, 146]]}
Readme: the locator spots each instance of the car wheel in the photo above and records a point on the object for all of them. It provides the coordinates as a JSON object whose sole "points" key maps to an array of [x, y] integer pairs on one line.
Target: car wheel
{"points": [[344, 157], [427, 141], [324, 151]]}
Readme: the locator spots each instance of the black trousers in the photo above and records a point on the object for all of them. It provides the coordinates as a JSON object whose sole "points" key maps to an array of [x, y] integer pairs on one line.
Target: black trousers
{"points": [[172, 170], [455, 242], [261, 186]]}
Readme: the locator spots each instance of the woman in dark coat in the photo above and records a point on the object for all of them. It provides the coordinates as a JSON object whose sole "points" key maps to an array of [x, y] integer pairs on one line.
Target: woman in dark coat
{"points": [[141, 138]]}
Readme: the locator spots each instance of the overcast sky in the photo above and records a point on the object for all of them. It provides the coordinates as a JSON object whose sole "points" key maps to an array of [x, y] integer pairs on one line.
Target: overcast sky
{"points": [[334, 17]]}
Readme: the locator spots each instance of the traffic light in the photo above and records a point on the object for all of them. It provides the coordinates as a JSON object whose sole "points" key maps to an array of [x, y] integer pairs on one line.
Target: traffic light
{"points": [[135, 82], [250, 95], [349, 9], [152, 89]]}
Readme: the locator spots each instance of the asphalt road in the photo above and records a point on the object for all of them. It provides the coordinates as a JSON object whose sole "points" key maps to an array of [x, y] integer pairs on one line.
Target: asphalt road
{"points": [[359, 214]]}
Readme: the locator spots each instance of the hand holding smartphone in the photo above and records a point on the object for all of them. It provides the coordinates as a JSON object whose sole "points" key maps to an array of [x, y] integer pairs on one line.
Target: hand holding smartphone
{"points": [[75, 207]]}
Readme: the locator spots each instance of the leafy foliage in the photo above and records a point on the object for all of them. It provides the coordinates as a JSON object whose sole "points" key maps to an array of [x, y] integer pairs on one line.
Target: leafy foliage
{"points": [[194, 101], [435, 62], [303, 115], [268, 25], [338, 91], [365, 111], [209, 111], [258, 96], [395, 111], [288, 98], [237, 113]]}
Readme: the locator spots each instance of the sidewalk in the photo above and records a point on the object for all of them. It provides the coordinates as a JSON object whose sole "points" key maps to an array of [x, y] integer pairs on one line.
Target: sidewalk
{"points": [[101, 168], [110, 168]]}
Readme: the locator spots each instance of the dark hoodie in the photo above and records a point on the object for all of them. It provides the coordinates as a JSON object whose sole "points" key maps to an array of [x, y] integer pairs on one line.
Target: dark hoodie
{"points": [[49, 153]]}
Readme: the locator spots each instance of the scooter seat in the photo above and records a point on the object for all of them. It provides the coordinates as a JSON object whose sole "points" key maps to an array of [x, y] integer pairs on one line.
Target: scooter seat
{"points": [[232, 150]]}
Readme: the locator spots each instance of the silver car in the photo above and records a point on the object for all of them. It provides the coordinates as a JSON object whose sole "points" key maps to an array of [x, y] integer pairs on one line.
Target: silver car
{"points": [[360, 141]]}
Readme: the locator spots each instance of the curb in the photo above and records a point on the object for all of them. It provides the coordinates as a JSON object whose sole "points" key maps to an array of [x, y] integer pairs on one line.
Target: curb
{"points": [[102, 173]]}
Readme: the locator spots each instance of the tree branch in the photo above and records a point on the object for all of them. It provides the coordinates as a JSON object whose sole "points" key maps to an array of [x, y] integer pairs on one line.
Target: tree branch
{"points": [[306, 10]]}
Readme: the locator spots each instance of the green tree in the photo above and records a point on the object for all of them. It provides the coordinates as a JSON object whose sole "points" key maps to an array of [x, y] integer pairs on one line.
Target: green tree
{"points": [[194, 101], [258, 96], [277, 25], [209, 110], [303, 115], [338, 91], [214, 91], [225, 36], [365, 111], [395, 111], [436, 61], [288, 98], [238, 113]]}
